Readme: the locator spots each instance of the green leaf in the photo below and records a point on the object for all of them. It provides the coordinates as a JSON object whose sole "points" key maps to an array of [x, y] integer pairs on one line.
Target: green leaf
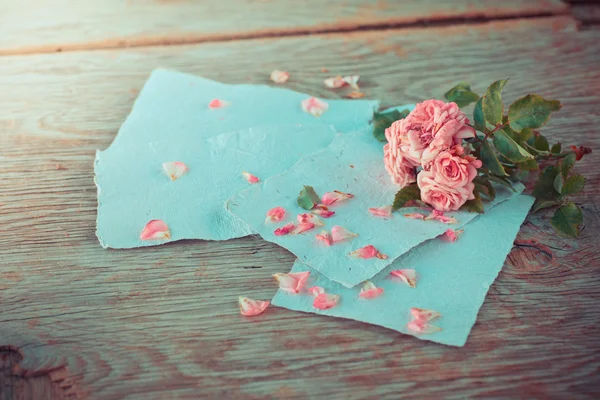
{"points": [[308, 198], [559, 181], [478, 119], [492, 106], [573, 185], [533, 150], [489, 159], [501, 180], [509, 148], [541, 143], [461, 94], [544, 186], [485, 187], [475, 205], [556, 148], [566, 220], [567, 164], [540, 205], [530, 165], [522, 136], [405, 195], [531, 111], [382, 121]]}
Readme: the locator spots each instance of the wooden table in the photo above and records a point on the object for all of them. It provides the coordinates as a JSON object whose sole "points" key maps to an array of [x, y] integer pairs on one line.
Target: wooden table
{"points": [[78, 321]]}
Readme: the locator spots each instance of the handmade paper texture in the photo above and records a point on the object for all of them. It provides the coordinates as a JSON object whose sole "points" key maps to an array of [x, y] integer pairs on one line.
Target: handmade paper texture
{"points": [[452, 278], [353, 164], [133, 189]]}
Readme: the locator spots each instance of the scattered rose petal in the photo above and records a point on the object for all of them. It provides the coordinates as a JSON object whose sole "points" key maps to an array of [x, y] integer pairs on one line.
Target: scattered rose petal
{"points": [[303, 227], [408, 276], [423, 314], [216, 103], [352, 80], [310, 218], [292, 282], [250, 178], [336, 196], [278, 76], [452, 235], [338, 234], [381, 211], [284, 230], [367, 252], [355, 95], [419, 326], [580, 151], [174, 169], [323, 211], [325, 301], [249, 307], [325, 237], [439, 216], [155, 230], [415, 215], [316, 290], [275, 214], [369, 291], [314, 106], [334, 82]]}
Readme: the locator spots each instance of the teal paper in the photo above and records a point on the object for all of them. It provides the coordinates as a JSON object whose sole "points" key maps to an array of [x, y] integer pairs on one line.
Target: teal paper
{"points": [[452, 278], [353, 163]]}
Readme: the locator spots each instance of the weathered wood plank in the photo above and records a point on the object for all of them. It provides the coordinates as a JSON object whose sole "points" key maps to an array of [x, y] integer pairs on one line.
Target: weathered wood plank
{"points": [[163, 322], [33, 26]]}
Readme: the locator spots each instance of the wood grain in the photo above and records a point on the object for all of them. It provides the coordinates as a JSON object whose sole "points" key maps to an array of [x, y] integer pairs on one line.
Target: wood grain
{"points": [[34, 26], [163, 322]]}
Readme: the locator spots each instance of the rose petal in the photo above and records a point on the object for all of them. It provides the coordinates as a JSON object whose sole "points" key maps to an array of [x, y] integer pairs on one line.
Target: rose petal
{"points": [[325, 301], [408, 276], [451, 235], [155, 230], [381, 211], [369, 291], [249, 307], [422, 327], [310, 218], [278, 76], [423, 314], [174, 169], [338, 234], [314, 106], [367, 252], [355, 95], [336, 196], [303, 227], [250, 178], [292, 282], [216, 103], [325, 237], [439, 216], [334, 82], [284, 230], [275, 214], [415, 216], [323, 211], [352, 80], [316, 290]]}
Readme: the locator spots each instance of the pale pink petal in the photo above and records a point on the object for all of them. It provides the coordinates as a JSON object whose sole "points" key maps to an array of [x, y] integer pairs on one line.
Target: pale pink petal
{"points": [[439, 216], [355, 95], [312, 218], [415, 216], [323, 211], [303, 227], [422, 327], [352, 80], [216, 103], [325, 237], [325, 301], [330, 198], [368, 252], [381, 211], [316, 290], [284, 230], [338, 234], [451, 235], [292, 282], [369, 291], [424, 315], [278, 76], [275, 214], [155, 230], [301, 278], [249, 307], [314, 106], [408, 276], [250, 178], [174, 169], [334, 82]]}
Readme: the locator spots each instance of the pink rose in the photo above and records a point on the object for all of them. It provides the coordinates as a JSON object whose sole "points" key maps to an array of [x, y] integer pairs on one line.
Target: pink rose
{"points": [[440, 196], [397, 166], [453, 169]]}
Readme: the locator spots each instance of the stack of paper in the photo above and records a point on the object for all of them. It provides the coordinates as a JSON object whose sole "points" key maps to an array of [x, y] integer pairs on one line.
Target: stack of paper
{"points": [[265, 132]]}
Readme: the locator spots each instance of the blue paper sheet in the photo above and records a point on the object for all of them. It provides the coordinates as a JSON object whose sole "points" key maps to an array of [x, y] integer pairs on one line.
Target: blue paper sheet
{"points": [[353, 163], [452, 278]]}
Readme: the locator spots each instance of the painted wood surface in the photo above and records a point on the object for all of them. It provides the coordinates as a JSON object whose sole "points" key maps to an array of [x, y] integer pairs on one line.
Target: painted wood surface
{"points": [[163, 322], [33, 26]]}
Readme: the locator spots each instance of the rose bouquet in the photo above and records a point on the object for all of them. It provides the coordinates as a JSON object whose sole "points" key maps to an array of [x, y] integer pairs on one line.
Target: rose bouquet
{"points": [[442, 160]]}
